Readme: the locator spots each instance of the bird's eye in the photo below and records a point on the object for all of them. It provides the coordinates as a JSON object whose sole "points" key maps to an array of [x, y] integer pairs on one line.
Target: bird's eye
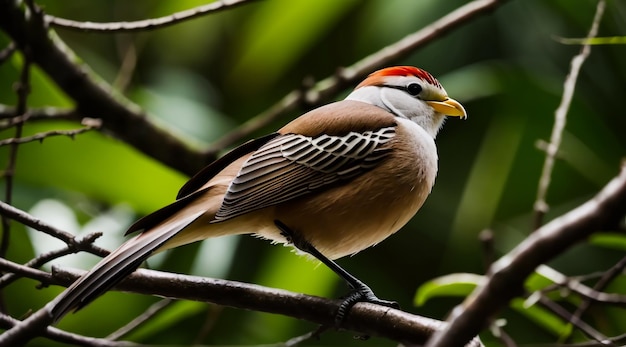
{"points": [[413, 89]]}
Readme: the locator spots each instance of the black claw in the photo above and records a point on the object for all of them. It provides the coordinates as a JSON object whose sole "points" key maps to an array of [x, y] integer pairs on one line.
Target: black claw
{"points": [[361, 294]]}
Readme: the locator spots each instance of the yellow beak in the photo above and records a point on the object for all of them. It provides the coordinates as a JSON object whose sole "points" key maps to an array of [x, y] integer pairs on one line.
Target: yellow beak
{"points": [[449, 107]]}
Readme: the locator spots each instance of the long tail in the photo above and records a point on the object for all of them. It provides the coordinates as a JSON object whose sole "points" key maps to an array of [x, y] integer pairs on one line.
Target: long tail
{"points": [[157, 228], [115, 267]]}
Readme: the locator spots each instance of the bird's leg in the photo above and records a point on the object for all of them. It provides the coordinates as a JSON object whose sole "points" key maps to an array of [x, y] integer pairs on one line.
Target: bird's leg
{"points": [[360, 291]]}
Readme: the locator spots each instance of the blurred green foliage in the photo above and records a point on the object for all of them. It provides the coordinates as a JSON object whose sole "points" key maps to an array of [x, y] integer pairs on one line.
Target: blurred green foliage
{"points": [[206, 76]]}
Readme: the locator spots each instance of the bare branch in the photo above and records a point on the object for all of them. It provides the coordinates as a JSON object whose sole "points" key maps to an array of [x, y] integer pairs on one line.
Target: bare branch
{"points": [[69, 338], [149, 313], [41, 136], [146, 24], [304, 337], [331, 86], [592, 294], [25, 271], [363, 318], [560, 117], [595, 294], [567, 316], [78, 244], [507, 275], [43, 258]]}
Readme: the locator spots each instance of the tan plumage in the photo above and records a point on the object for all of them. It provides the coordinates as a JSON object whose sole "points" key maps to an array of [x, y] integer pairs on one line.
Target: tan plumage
{"points": [[344, 176]]}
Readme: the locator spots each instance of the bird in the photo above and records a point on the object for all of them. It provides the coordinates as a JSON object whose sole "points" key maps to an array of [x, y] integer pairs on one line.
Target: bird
{"points": [[332, 182]]}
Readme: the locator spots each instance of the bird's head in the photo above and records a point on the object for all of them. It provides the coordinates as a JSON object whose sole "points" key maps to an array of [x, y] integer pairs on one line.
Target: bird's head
{"points": [[411, 93]]}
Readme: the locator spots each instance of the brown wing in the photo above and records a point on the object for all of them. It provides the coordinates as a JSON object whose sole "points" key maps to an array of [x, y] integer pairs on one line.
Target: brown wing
{"points": [[293, 165]]}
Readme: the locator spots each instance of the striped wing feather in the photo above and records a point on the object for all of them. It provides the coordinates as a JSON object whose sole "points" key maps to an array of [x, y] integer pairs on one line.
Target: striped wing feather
{"points": [[293, 165]]}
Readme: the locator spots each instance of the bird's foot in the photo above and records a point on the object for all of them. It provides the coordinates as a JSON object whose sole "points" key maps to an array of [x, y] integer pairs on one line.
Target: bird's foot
{"points": [[360, 293]]}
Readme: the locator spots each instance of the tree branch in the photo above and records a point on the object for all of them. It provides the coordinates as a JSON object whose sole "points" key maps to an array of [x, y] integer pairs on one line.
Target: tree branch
{"points": [[146, 24], [507, 275], [364, 318]]}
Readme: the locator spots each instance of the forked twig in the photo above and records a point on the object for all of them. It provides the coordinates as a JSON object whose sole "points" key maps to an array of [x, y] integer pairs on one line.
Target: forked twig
{"points": [[560, 118]]}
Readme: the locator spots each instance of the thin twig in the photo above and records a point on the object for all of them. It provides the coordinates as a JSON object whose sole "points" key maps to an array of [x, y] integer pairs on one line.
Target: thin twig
{"points": [[567, 316], [69, 338], [7, 52], [574, 285], [146, 24], [26, 271], [619, 340], [43, 135], [314, 334], [128, 51], [44, 258], [79, 244], [149, 313], [499, 333], [22, 89], [541, 206], [602, 283]]}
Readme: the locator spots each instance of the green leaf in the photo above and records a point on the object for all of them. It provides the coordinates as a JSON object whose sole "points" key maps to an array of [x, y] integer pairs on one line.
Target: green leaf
{"points": [[611, 40], [609, 240], [542, 317], [536, 282], [459, 284]]}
